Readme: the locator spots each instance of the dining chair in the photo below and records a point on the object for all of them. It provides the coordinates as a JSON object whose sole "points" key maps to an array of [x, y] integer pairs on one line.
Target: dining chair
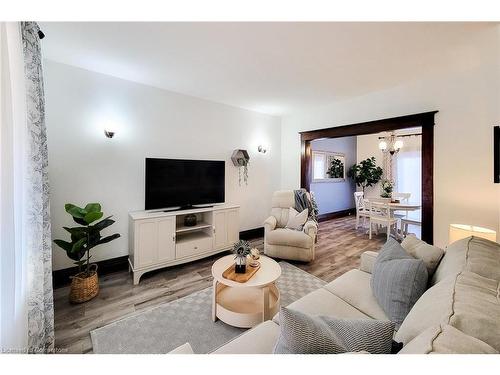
{"points": [[361, 209], [403, 198], [405, 222], [380, 215]]}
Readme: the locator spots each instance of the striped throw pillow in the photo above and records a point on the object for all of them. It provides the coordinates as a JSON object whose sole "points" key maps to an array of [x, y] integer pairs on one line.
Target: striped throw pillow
{"points": [[304, 334]]}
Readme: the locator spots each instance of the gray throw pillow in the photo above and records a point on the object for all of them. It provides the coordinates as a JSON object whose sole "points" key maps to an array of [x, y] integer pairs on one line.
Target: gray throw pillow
{"points": [[398, 280], [304, 334]]}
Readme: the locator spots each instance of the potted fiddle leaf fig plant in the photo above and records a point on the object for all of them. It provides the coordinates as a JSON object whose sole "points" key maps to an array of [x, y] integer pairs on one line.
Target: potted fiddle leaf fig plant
{"points": [[366, 173], [85, 284]]}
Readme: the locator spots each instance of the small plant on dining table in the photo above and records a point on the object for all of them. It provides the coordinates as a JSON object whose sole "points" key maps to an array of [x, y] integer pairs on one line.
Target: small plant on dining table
{"points": [[241, 250]]}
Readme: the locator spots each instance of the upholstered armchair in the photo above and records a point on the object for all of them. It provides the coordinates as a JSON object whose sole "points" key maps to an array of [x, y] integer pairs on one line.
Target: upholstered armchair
{"points": [[283, 243]]}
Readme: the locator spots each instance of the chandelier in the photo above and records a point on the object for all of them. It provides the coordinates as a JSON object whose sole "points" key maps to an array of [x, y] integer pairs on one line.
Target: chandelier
{"points": [[391, 144]]}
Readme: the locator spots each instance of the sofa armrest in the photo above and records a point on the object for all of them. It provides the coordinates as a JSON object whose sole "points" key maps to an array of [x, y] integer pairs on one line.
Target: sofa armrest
{"points": [[367, 261], [311, 228], [270, 223]]}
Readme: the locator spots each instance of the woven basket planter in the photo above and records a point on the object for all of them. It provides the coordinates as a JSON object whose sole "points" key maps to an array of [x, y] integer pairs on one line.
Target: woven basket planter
{"points": [[84, 288]]}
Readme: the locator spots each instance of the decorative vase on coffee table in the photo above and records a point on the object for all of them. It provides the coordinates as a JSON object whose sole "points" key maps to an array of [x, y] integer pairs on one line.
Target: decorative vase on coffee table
{"points": [[240, 265], [241, 250]]}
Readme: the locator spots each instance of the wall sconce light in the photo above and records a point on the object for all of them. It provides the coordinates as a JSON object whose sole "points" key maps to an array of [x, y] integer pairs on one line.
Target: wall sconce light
{"points": [[109, 133], [261, 149]]}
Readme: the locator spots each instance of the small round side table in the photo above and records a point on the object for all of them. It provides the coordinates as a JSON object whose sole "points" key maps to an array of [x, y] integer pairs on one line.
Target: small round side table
{"points": [[245, 304]]}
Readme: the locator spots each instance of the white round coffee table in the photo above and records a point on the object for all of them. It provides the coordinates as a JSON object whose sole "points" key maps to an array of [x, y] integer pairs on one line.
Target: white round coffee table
{"points": [[246, 304]]}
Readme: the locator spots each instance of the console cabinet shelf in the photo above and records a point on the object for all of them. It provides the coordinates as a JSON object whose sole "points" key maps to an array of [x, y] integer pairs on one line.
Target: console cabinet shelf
{"points": [[160, 239]]}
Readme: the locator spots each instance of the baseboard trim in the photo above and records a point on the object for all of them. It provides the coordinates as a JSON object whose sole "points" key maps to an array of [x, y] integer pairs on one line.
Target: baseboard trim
{"points": [[61, 278], [336, 214], [251, 234]]}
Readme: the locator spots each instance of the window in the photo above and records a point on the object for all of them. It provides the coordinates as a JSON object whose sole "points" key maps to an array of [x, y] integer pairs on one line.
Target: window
{"points": [[319, 165], [328, 166]]}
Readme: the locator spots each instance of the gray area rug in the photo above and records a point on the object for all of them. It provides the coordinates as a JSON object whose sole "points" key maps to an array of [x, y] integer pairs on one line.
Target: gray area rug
{"points": [[189, 319]]}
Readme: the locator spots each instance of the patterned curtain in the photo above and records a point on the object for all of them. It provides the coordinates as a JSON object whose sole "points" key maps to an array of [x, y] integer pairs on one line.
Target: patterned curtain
{"points": [[38, 241]]}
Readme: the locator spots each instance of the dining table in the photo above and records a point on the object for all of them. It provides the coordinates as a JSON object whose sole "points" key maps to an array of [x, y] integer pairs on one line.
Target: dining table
{"points": [[395, 206]]}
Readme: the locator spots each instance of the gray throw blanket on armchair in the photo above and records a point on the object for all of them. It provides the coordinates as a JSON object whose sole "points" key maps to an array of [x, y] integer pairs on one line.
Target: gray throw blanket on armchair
{"points": [[302, 202]]}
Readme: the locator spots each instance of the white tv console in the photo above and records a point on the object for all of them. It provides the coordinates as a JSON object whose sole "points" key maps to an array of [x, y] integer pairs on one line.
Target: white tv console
{"points": [[160, 239]]}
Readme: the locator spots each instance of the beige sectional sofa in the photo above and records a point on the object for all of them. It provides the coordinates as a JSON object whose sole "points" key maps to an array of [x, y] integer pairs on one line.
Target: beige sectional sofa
{"points": [[459, 313]]}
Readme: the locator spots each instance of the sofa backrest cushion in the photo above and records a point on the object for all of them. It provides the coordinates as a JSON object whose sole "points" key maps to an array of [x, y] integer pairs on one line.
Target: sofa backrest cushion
{"points": [[445, 339], [467, 301], [431, 255], [472, 254], [398, 280]]}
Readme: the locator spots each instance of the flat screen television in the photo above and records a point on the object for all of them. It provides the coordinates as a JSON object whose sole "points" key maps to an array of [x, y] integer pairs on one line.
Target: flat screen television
{"points": [[175, 183]]}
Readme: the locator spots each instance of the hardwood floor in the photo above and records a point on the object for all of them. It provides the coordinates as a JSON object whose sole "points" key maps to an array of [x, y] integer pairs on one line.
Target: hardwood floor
{"points": [[338, 249]]}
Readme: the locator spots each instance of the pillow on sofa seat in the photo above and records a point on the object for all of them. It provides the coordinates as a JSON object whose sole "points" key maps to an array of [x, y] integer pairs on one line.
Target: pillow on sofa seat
{"points": [[398, 280], [304, 334], [431, 255]]}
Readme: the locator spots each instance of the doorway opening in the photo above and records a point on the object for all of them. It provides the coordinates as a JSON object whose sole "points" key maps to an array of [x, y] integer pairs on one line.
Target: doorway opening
{"points": [[402, 147]]}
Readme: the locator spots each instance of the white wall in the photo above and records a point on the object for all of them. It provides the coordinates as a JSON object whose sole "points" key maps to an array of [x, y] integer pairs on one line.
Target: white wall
{"points": [[367, 146], [467, 97], [335, 196], [84, 166]]}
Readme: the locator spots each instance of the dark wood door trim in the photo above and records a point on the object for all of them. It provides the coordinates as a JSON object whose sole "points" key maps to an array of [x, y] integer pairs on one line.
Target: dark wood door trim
{"points": [[424, 120]]}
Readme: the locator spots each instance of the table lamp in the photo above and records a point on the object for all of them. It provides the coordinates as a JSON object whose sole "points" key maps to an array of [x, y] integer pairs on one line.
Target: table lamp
{"points": [[459, 231]]}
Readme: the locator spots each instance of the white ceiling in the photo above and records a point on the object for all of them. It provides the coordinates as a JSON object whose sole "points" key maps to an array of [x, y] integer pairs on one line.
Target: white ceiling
{"points": [[274, 68]]}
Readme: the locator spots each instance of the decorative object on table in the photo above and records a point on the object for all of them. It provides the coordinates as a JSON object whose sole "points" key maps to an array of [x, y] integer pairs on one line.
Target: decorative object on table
{"points": [[254, 256], [85, 284], [336, 168], [190, 220], [231, 274], [459, 231], [241, 250], [387, 187], [366, 173], [241, 159]]}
